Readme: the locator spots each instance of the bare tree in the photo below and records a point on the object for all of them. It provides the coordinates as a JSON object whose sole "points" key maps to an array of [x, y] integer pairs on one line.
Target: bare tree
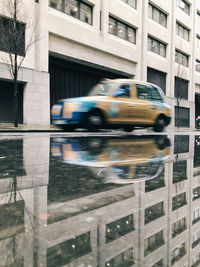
{"points": [[13, 29]]}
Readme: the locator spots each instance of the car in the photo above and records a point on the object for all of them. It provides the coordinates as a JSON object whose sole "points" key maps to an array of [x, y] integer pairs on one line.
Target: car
{"points": [[115, 159], [115, 103]]}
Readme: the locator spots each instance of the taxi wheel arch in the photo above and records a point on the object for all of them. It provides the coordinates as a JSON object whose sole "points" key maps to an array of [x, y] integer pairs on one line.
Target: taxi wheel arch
{"points": [[95, 119], [160, 123]]}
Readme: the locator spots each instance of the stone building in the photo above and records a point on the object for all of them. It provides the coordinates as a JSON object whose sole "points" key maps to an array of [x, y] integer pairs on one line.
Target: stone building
{"points": [[83, 41]]}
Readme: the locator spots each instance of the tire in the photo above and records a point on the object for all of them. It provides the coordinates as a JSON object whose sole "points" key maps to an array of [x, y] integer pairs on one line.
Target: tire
{"points": [[160, 124], [95, 120]]}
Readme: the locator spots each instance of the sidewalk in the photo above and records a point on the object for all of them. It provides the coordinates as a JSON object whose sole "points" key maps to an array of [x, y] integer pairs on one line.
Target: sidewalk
{"points": [[9, 127]]}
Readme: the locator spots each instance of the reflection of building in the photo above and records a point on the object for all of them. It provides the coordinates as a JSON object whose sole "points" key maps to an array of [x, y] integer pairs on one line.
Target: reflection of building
{"points": [[85, 41], [148, 223]]}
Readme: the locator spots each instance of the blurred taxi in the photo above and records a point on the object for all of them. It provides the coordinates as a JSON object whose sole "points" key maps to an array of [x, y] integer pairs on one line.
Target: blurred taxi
{"points": [[118, 103], [116, 160]]}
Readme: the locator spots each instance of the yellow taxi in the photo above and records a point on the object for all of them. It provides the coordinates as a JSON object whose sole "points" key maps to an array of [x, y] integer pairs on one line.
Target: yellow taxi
{"points": [[118, 103], [116, 160]]}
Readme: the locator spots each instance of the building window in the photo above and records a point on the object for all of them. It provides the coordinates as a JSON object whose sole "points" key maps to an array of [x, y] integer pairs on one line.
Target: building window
{"points": [[156, 46], [157, 15], [182, 31], [198, 41], [182, 117], [181, 88], [132, 3], [179, 171], [124, 259], [196, 193], [181, 144], [196, 151], [154, 212], [179, 201], [178, 253], [12, 41], [119, 228], [153, 242], [196, 239], [178, 227], [122, 30], [157, 77], [182, 4], [196, 216], [75, 8], [181, 58], [197, 65]]}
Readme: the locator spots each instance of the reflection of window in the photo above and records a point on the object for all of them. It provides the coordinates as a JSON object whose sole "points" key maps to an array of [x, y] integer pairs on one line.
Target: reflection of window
{"points": [[156, 46], [119, 228], [178, 253], [196, 216], [181, 144], [154, 212], [158, 263], [157, 15], [178, 227], [179, 201], [122, 30], [196, 239], [131, 3], [179, 171], [196, 193], [75, 8], [182, 31], [124, 90], [124, 259], [182, 4], [69, 250], [181, 58], [196, 260], [153, 184], [153, 242], [155, 94]]}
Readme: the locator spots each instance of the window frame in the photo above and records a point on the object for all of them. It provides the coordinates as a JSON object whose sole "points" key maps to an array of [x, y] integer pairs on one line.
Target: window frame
{"points": [[179, 28], [183, 2], [153, 42], [181, 58], [118, 22], [79, 3], [151, 12], [127, 2]]}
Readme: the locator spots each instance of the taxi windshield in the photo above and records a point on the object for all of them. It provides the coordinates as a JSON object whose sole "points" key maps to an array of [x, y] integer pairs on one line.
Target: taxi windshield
{"points": [[101, 89]]}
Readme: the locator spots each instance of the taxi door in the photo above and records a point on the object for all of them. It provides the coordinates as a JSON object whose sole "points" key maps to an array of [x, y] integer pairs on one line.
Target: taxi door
{"points": [[141, 111], [123, 104]]}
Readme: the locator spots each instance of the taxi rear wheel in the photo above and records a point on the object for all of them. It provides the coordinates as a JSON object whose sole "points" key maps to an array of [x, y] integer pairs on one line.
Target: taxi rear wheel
{"points": [[160, 124], [95, 120]]}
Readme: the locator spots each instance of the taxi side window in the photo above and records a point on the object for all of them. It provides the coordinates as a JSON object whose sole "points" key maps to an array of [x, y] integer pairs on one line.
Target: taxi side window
{"points": [[155, 95], [143, 91], [123, 91]]}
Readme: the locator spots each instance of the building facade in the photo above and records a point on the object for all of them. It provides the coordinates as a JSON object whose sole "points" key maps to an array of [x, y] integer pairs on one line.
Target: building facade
{"points": [[81, 42]]}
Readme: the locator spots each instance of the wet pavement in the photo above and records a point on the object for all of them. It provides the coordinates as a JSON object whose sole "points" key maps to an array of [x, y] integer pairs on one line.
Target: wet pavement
{"points": [[100, 200]]}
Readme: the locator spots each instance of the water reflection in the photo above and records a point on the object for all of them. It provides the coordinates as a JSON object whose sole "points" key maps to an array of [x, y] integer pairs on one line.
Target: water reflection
{"points": [[100, 202]]}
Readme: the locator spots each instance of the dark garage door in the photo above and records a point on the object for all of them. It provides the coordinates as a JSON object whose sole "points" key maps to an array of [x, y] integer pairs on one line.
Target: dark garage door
{"points": [[69, 79], [6, 102]]}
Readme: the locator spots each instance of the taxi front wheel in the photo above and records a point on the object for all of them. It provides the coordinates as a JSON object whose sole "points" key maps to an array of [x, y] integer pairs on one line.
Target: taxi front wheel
{"points": [[160, 124], [95, 120]]}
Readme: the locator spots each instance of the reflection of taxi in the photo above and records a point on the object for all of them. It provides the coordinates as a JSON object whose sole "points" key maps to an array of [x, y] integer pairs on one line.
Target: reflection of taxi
{"points": [[115, 159], [120, 103]]}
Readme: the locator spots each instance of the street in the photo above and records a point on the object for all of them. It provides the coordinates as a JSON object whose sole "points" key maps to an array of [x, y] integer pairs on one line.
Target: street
{"points": [[99, 199]]}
